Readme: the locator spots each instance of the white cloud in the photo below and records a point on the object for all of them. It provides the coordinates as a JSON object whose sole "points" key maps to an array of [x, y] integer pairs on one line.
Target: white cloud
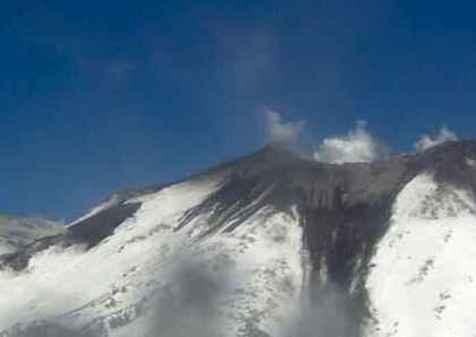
{"points": [[357, 146], [427, 141], [280, 131]]}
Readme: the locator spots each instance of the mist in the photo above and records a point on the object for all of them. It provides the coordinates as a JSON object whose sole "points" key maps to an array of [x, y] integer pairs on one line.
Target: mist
{"points": [[322, 311], [189, 305]]}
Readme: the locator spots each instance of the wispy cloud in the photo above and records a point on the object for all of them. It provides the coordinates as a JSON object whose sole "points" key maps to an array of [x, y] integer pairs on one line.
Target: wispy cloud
{"points": [[357, 146], [281, 131], [429, 140]]}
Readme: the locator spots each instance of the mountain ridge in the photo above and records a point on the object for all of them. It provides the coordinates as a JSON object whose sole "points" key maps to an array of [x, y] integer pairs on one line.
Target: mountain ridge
{"points": [[337, 214]]}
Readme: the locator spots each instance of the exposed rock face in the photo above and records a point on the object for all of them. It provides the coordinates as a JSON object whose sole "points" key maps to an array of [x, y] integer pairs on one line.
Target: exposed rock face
{"points": [[343, 212]]}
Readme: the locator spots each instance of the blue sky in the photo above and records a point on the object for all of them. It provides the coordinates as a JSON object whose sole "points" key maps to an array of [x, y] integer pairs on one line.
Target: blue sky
{"points": [[98, 96]]}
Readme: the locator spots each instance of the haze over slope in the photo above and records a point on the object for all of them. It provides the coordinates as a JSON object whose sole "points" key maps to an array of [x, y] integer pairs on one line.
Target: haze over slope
{"points": [[16, 232]]}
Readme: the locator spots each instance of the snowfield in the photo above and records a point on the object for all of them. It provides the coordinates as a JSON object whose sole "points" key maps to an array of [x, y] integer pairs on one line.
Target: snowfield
{"points": [[423, 276], [117, 287]]}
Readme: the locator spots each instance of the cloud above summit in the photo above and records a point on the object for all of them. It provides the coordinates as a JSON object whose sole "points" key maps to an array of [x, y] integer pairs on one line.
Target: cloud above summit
{"points": [[358, 145]]}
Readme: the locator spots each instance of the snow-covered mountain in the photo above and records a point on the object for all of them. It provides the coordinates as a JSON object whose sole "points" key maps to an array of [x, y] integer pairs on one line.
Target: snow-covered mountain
{"points": [[16, 232], [269, 245]]}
